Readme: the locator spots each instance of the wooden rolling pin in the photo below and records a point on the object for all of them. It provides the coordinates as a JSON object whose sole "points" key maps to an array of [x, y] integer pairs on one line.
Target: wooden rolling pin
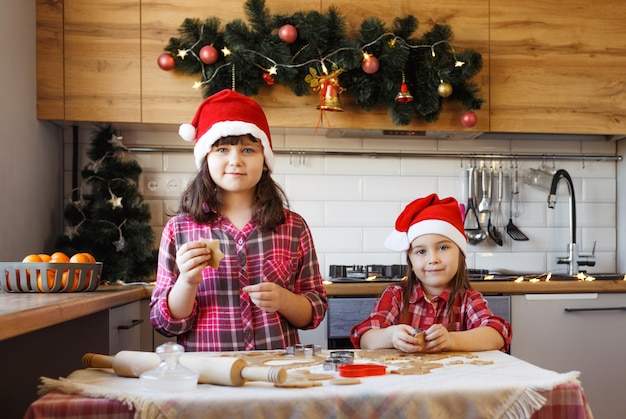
{"points": [[223, 370]]}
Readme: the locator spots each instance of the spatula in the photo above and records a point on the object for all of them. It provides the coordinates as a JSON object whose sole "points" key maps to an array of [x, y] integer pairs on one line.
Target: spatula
{"points": [[512, 229]]}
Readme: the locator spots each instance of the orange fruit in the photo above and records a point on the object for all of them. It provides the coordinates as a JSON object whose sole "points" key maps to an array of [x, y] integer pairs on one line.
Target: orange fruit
{"points": [[32, 258], [82, 257], [44, 257], [59, 257]]}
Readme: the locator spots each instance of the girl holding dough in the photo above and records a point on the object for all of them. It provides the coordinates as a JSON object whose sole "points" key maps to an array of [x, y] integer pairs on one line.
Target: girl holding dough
{"points": [[268, 284], [434, 309]]}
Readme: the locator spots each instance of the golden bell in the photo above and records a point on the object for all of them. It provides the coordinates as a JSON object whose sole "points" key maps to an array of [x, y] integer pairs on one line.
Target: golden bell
{"points": [[404, 96], [329, 97]]}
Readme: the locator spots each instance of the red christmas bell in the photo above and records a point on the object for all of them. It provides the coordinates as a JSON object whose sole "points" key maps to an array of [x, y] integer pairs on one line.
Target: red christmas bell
{"points": [[404, 96], [329, 95]]}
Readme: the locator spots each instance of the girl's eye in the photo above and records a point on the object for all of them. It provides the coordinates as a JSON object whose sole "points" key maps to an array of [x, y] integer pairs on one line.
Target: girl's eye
{"points": [[221, 149]]}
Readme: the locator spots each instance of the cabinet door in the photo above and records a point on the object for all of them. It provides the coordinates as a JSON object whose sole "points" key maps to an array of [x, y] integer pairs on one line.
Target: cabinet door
{"points": [[102, 60], [168, 97], [558, 67], [576, 332], [470, 26], [125, 328], [50, 87]]}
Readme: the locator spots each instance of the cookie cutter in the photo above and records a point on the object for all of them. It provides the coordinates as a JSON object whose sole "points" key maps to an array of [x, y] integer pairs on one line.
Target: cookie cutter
{"points": [[361, 370], [338, 358], [304, 350]]}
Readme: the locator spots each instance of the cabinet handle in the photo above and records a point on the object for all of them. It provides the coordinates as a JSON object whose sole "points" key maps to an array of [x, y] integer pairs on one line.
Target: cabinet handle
{"points": [[573, 310], [130, 325]]}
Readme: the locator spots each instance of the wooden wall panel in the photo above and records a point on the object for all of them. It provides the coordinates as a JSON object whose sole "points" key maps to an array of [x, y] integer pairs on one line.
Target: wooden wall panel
{"points": [[558, 67]]}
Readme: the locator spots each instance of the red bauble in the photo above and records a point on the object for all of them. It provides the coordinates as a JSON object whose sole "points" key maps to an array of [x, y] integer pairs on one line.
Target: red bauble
{"points": [[166, 61], [288, 34], [469, 119], [268, 79], [370, 65], [208, 54]]}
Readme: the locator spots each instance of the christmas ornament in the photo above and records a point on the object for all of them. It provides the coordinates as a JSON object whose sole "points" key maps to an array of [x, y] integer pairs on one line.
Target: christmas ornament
{"points": [[208, 54], [268, 79], [369, 64], [166, 62], [444, 89], [288, 34], [404, 96], [469, 119], [329, 96]]}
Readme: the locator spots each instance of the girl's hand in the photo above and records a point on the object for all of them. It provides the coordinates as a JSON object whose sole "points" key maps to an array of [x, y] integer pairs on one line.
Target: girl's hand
{"points": [[191, 259], [268, 296], [437, 338], [403, 339]]}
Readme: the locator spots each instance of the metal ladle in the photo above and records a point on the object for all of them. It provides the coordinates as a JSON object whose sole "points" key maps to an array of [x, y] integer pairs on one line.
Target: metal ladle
{"points": [[473, 231]]}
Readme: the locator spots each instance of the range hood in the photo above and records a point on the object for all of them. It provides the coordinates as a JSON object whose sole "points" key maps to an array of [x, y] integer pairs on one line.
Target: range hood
{"points": [[399, 133], [465, 135]]}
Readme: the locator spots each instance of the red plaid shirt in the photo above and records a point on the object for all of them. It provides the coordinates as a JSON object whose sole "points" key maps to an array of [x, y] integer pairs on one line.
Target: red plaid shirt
{"points": [[470, 311], [224, 318]]}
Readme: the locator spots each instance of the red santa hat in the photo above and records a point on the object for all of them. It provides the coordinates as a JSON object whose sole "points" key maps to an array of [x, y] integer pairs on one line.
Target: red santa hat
{"points": [[429, 215], [224, 114]]}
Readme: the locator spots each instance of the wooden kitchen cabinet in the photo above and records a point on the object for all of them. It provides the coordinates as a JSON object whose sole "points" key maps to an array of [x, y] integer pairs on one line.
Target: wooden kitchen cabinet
{"points": [[547, 67], [583, 332], [558, 67]]}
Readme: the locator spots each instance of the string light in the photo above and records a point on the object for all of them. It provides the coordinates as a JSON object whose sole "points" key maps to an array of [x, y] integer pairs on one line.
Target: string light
{"points": [[275, 66]]}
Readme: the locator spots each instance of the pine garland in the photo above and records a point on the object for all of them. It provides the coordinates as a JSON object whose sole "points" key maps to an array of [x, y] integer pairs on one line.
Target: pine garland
{"points": [[251, 54]]}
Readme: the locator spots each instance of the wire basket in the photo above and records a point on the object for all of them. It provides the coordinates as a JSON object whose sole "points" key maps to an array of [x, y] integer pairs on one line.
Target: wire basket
{"points": [[49, 277]]}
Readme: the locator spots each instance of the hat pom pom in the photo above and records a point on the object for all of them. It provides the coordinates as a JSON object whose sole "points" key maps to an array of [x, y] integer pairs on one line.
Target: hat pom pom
{"points": [[397, 241], [187, 132]]}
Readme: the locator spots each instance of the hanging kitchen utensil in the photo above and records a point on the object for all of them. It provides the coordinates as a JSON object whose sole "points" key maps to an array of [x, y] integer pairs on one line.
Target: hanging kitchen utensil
{"points": [[512, 229], [492, 229], [499, 220], [485, 177], [473, 230]]}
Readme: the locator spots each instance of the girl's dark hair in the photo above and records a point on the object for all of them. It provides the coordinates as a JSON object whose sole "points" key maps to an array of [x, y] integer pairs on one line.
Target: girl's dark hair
{"points": [[459, 283], [200, 198]]}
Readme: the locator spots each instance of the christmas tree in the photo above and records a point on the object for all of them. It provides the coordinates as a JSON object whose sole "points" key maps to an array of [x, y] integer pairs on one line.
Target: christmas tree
{"points": [[106, 215]]}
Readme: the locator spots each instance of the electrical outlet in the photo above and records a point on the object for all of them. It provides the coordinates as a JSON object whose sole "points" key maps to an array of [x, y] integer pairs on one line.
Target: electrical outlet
{"points": [[152, 184]]}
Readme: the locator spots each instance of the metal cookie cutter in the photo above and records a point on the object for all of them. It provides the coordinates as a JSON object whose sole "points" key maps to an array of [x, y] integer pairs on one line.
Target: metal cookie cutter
{"points": [[338, 358], [304, 350]]}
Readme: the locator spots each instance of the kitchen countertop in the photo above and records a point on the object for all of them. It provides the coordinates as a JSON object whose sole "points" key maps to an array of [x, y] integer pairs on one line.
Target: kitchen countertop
{"points": [[491, 287], [22, 313], [26, 312]]}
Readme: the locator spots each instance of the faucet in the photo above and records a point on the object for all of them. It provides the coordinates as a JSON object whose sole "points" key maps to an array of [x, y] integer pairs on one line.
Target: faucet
{"points": [[573, 259]]}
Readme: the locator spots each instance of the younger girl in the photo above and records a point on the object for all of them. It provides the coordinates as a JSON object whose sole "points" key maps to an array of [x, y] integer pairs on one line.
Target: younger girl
{"points": [[268, 284], [436, 297]]}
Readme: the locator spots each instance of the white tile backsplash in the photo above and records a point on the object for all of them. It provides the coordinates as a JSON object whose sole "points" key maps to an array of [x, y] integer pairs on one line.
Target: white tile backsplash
{"points": [[351, 202]]}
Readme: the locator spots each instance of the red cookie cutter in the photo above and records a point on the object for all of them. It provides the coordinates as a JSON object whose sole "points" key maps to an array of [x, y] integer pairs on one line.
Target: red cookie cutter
{"points": [[361, 370]]}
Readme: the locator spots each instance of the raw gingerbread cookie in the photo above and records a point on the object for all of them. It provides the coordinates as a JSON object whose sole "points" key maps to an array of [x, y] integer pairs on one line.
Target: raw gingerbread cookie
{"points": [[216, 253]]}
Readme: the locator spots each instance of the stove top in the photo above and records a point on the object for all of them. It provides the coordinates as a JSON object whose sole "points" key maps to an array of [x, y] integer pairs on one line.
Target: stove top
{"points": [[367, 273], [382, 273]]}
